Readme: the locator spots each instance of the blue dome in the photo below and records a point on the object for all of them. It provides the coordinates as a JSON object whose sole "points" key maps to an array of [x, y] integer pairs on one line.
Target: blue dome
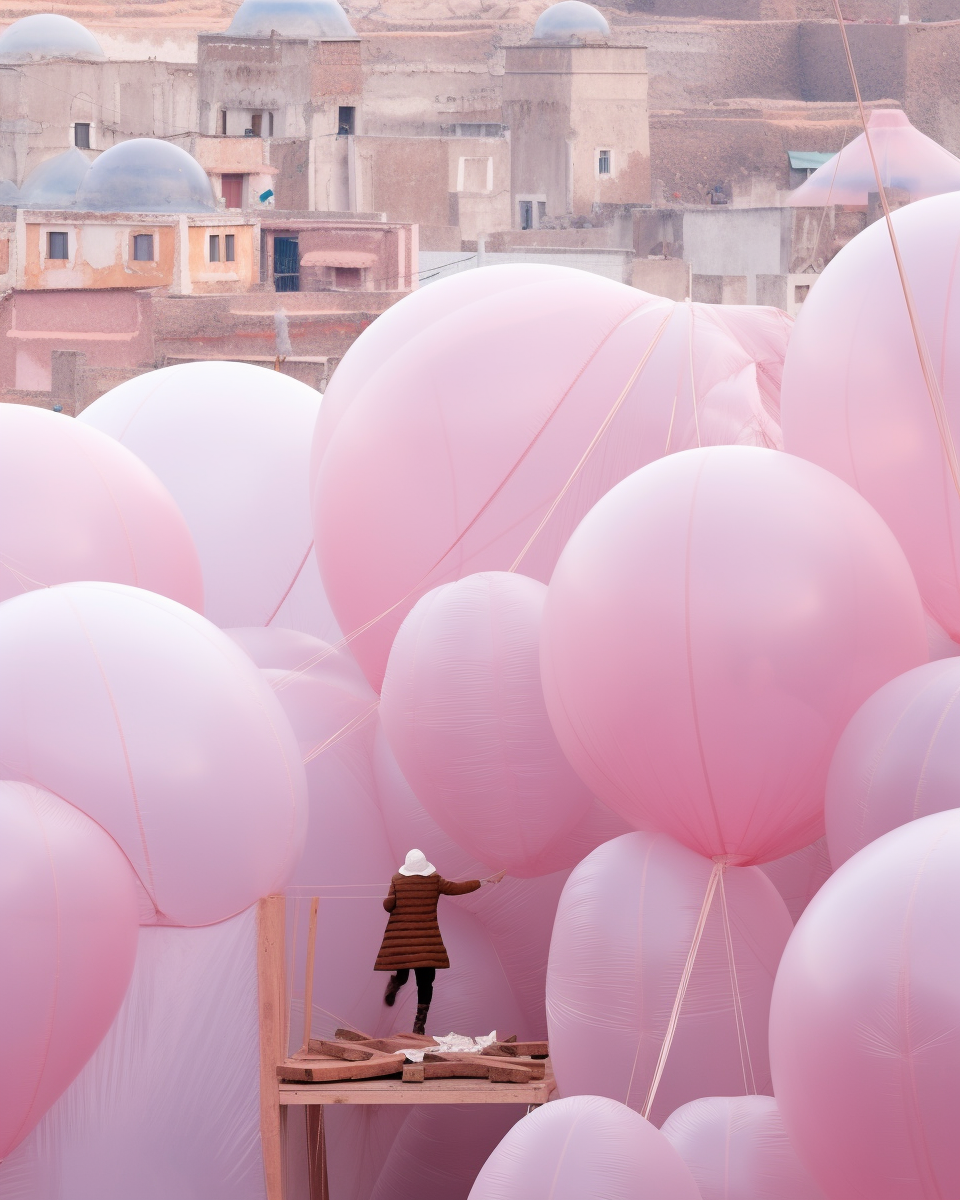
{"points": [[319, 19], [47, 35], [9, 193], [54, 183], [570, 19], [145, 175]]}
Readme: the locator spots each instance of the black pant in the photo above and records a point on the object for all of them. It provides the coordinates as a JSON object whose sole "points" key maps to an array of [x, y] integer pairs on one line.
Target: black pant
{"points": [[425, 978]]}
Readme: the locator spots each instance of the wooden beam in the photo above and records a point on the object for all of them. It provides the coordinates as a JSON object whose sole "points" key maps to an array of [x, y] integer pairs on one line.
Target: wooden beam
{"points": [[308, 981], [317, 1154], [271, 999]]}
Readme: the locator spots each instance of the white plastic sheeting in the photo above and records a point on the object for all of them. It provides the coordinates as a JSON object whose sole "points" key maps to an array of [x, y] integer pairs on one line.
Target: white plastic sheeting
{"points": [[178, 1068]]}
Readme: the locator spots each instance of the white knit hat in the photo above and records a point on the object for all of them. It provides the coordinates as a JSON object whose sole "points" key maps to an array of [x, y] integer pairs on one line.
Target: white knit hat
{"points": [[416, 864]]}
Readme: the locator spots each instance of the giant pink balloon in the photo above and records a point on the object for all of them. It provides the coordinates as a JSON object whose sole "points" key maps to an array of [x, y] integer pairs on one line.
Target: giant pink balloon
{"points": [[453, 433], [800, 875], [462, 707], [440, 1150], [854, 399], [584, 1148], [154, 723], [623, 931], [737, 1149], [68, 940], [709, 630], [75, 505], [232, 443], [864, 1037], [898, 759]]}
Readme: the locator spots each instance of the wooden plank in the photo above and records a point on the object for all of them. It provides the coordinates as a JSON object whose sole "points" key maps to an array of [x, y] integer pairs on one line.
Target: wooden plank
{"points": [[516, 1049], [348, 1051], [317, 1153], [475, 1069], [351, 1035], [431, 1091], [308, 981], [271, 1003], [329, 1070], [398, 1041]]}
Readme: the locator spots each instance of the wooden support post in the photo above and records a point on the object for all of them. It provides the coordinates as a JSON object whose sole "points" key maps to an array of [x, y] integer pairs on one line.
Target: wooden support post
{"points": [[271, 950], [308, 982], [317, 1153]]}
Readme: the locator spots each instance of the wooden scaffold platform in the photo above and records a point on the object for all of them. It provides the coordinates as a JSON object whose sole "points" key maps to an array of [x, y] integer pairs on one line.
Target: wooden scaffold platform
{"points": [[353, 1068]]}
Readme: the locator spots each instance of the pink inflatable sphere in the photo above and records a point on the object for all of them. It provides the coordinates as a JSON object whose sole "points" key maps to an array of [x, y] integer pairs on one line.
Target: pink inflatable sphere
{"points": [[584, 1148], [854, 399], [800, 875], [462, 707], [864, 1038], [898, 759], [154, 723], [737, 1149], [68, 940], [232, 443], [710, 628], [450, 447], [624, 927], [75, 505]]}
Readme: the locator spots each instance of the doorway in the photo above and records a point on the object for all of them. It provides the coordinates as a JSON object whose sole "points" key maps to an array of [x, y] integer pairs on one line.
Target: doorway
{"points": [[231, 187], [286, 264]]}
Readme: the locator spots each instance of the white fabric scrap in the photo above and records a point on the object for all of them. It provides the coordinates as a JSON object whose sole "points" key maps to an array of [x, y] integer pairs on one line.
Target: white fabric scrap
{"points": [[458, 1043]]}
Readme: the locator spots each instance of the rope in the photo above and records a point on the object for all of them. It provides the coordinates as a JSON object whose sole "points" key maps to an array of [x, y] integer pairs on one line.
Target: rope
{"points": [[926, 366], [351, 725], [604, 426], [719, 866], [746, 1061]]}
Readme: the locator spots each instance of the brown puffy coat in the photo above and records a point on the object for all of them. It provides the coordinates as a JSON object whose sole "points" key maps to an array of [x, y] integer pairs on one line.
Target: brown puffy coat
{"points": [[413, 936]]}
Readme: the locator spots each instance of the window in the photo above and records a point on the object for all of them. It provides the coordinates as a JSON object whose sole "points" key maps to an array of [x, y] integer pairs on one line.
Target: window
{"points": [[603, 163], [143, 247], [269, 124], [541, 212], [346, 119], [223, 123], [81, 136], [231, 188], [526, 214], [214, 247], [57, 245], [229, 247]]}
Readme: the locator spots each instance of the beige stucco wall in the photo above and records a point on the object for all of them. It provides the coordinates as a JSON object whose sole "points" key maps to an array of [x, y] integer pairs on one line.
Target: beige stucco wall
{"points": [[564, 104]]}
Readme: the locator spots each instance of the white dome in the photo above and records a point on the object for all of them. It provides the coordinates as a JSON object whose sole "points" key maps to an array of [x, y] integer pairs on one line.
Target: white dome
{"points": [[320, 19], [145, 175], [47, 35], [54, 183], [570, 19]]}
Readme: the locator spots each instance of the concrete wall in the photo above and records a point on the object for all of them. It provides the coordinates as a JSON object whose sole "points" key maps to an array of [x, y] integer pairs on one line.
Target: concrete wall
{"points": [[112, 328], [612, 264], [100, 252], [436, 181], [738, 242], [564, 104], [40, 102], [413, 78]]}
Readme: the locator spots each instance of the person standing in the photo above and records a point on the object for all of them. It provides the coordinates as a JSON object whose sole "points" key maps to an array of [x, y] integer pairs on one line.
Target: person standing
{"points": [[412, 940]]}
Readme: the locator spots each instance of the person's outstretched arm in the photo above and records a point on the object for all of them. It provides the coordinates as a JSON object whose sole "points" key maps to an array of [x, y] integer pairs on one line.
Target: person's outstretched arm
{"points": [[448, 888], [391, 901]]}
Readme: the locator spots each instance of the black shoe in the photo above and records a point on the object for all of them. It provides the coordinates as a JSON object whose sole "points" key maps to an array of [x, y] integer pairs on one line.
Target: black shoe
{"points": [[420, 1024], [391, 993]]}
